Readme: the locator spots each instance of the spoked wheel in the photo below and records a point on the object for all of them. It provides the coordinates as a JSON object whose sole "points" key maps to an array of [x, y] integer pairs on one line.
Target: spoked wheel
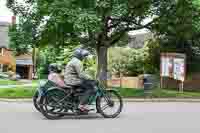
{"points": [[35, 101], [52, 103], [110, 105]]}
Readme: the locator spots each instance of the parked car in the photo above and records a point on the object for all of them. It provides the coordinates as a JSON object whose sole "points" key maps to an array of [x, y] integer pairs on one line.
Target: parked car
{"points": [[4, 75], [8, 75]]}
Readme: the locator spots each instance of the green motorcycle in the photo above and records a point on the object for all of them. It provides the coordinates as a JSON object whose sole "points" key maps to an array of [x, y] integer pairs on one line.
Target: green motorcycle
{"points": [[56, 102]]}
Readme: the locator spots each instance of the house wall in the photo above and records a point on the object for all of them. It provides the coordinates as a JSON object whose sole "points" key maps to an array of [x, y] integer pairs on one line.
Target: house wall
{"points": [[7, 58]]}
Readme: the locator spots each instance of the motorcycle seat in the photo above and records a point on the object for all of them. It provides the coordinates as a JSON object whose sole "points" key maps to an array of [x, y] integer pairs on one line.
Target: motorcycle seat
{"points": [[67, 86]]}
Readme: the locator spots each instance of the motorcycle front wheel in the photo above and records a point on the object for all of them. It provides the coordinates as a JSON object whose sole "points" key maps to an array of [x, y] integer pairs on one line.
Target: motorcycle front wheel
{"points": [[110, 105]]}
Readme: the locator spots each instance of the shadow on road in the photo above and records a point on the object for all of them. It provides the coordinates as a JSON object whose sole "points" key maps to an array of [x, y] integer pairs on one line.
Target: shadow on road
{"points": [[86, 117], [81, 117]]}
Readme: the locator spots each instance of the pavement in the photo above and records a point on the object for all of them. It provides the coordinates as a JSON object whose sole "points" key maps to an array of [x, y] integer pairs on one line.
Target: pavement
{"points": [[137, 117]]}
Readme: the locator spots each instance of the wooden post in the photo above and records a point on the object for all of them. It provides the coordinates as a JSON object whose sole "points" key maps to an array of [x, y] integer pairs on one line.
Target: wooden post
{"points": [[120, 80], [30, 71], [181, 86]]}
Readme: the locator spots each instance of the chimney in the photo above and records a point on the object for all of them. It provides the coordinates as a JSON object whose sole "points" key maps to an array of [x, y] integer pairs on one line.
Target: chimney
{"points": [[13, 19]]}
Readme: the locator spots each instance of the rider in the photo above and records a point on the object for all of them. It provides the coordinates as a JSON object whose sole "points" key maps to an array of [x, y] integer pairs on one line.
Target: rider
{"points": [[54, 75], [75, 76]]}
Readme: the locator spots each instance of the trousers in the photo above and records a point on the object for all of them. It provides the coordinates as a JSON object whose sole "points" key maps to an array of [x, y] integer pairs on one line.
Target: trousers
{"points": [[88, 87]]}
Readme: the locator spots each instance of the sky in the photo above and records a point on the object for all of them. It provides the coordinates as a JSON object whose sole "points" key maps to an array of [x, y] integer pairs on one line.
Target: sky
{"points": [[5, 13]]}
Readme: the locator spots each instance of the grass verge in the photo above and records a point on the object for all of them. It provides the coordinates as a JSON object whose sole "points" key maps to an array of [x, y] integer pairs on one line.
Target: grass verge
{"points": [[12, 82], [9, 82], [28, 92], [157, 93], [18, 92]]}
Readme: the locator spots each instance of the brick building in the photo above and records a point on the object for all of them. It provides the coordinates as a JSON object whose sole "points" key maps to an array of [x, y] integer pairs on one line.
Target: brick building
{"points": [[22, 64], [6, 58]]}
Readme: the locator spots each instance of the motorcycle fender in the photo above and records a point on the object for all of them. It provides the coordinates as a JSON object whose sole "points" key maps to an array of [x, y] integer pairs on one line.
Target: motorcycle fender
{"points": [[53, 88], [41, 91]]}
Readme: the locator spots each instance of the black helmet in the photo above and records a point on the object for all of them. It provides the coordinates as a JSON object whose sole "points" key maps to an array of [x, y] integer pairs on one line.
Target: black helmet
{"points": [[81, 53], [53, 68]]}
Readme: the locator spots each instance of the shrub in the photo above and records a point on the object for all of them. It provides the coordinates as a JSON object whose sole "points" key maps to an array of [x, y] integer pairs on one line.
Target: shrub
{"points": [[152, 62], [131, 62], [91, 67]]}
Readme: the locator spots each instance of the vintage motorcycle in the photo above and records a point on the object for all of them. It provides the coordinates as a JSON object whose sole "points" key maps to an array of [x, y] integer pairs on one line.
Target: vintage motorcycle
{"points": [[38, 93], [55, 102]]}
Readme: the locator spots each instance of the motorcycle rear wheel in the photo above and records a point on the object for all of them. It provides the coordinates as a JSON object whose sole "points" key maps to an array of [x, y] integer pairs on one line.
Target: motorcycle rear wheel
{"points": [[35, 101], [50, 104]]}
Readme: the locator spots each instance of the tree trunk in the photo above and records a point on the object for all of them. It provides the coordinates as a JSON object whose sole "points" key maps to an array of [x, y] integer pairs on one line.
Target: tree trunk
{"points": [[34, 58], [102, 64]]}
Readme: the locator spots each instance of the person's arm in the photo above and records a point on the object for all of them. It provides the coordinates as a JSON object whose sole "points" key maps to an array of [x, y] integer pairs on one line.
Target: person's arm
{"points": [[79, 69]]}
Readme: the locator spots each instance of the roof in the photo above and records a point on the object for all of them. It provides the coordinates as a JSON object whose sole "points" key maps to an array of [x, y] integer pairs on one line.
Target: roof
{"points": [[24, 62], [4, 39], [25, 59], [138, 38], [137, 32]]}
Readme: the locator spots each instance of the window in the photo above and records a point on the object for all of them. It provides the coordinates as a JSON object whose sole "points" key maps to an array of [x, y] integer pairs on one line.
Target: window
{"points": [[5, 68]]}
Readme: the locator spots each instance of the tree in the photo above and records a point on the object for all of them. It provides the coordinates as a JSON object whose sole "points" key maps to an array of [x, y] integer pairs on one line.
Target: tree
{"points": [[177, 29], [21, 38], [29, 20], [23, 35], [99, 24], [178, 21], [50, 54]]}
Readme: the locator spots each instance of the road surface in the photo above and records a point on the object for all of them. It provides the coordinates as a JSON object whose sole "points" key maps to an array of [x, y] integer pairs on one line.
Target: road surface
{"points": [[136, 118]]}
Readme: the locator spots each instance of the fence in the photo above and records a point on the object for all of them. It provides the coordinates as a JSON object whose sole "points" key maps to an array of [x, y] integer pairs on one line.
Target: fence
{"points": [[126, 82], [191, 84]]}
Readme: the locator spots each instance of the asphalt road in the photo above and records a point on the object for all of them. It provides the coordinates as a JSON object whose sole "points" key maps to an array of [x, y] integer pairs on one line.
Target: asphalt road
{"points": [[136, 118]]}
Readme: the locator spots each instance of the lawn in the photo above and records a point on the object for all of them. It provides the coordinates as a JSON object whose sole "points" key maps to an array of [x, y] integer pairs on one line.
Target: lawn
{"points": [[157, 93], [9, 82], [18, 92], [12, 82], [175, 94]]}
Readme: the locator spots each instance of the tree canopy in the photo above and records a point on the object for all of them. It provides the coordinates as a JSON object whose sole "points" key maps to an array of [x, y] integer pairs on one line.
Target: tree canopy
{"points": [[100, 24]]}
